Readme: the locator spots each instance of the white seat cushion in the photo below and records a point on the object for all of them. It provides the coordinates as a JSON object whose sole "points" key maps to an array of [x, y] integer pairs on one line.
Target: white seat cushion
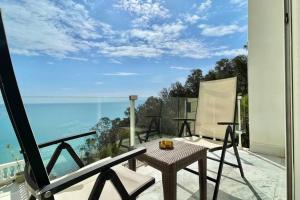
{"points": [[208, 143], [131, 180]]}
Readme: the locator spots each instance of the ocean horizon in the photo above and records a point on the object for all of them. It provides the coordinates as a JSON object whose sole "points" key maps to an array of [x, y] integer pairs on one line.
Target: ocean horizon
{"points": [[50, 121]]}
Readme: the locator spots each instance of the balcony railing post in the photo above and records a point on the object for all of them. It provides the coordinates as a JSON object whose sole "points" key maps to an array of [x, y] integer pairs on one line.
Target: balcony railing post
{"points": [[132, 99], [239, 131]]}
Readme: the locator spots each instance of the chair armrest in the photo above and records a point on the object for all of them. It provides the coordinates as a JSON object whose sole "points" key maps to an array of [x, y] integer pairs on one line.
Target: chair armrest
{"points": [[83, 174], [228, 123], [64, 139]]}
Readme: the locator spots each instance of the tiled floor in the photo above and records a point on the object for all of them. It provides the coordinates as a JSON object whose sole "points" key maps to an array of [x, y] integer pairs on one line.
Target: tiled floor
{"points": [[265, 179]]}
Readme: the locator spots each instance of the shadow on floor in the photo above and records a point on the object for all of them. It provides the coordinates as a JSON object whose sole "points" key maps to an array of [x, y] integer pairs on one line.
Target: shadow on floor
{"points": [[222, 195], [232, 154], [210, 190]]}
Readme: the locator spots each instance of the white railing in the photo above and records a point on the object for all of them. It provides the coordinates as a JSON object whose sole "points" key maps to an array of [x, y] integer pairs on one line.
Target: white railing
{"points": [[132, 99], [239, 128], [9, 170]]}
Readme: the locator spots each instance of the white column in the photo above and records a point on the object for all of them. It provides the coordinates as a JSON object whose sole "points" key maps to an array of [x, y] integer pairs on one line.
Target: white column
{"points": [[295, 147], [266, 76], [132, 99]]}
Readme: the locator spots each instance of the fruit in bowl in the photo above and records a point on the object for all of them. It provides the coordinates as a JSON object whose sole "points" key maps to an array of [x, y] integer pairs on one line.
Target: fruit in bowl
{"points": [[166, 144]]}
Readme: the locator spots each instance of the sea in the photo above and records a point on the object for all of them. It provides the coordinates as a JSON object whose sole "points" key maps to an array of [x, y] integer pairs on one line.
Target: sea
{"points": [[55, 118]]}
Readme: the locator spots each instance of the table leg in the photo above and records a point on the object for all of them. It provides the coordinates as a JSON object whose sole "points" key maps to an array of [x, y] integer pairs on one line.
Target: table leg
{"points": [[202, 178], [169, 179], [132, 164]]}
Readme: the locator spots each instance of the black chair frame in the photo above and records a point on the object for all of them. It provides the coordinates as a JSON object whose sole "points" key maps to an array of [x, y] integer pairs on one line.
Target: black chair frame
{"points": [[154, 126], [229, 133]]}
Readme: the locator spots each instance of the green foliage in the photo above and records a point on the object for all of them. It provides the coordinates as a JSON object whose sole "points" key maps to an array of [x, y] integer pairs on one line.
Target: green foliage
{"points": [[177, 90], [152, 106], [192, 83], [245, 121], [224, 68], [109, 132], [14, 155]]}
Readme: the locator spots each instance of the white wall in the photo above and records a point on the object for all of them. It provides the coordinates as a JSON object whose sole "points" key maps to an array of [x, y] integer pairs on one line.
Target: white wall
{"points": [[266, 74], [296, 68]]}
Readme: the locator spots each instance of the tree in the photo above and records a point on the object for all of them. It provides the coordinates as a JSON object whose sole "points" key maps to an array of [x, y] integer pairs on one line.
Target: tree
{"points": [[164, 94], [152, 106], [224, 69], [177, 90], [241, 67], [102, 128], [211, 75], [192, 83]]}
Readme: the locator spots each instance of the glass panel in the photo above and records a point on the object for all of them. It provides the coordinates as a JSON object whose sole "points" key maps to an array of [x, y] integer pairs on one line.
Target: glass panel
{"points": [[56, 117], [9, 147]]}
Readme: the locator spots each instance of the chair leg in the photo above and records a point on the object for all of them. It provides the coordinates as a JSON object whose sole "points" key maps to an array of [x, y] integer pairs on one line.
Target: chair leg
{"points": [[237, 154], [149, 130], [147, 136], [188, 127], [181, 130], [139, 137], [228, 130], [157, 125]]}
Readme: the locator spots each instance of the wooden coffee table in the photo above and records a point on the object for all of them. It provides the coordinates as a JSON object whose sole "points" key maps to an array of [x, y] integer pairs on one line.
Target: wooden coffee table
{"points": [[169, 162]]}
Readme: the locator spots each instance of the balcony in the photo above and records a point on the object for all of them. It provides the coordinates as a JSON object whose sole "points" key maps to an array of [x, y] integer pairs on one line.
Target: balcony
{"points": [[261, 129], [265, 175]]}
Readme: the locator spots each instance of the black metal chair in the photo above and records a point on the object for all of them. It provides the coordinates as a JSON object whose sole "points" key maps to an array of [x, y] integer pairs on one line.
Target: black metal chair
{"points": [[105, 179], [215, 123], [153, 128]]}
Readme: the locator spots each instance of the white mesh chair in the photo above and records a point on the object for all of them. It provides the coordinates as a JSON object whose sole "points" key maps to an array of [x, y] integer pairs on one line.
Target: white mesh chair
{"points": [[105, 179], [215, 122]]}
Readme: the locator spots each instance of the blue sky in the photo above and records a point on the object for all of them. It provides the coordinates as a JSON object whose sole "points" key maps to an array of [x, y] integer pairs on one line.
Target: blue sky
{"points": [[114, 48]]}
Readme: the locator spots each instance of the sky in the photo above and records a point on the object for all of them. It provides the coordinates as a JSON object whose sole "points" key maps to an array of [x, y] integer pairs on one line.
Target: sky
{"points": [[115, 48]]}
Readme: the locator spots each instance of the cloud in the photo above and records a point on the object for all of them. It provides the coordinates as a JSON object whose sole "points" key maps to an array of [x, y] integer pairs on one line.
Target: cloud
{"points": [[144, 10], [189, 48], [65, 29], [55, 28], [115, 61], [239, 3], [158, 33], [231, 52], [181, 68], [204, 6], [121, 74], [155, 41], [192, 19], [129, 50], [76, 58], [222, 30]]}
